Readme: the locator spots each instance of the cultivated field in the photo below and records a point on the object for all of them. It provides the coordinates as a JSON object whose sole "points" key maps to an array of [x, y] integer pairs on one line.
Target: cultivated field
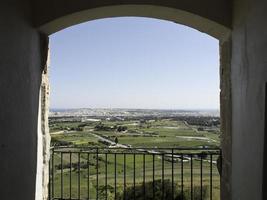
{"points": [[163, 133]]}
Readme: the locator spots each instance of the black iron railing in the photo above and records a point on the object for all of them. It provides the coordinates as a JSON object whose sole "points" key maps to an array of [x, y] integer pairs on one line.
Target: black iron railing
{"points": [[134, 173]]}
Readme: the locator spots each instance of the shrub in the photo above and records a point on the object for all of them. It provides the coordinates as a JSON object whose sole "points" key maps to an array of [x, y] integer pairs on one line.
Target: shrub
{"points": [[139, 194]]}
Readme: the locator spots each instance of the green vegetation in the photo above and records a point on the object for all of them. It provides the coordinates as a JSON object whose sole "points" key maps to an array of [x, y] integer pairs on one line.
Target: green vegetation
{"points": [[151, 133], [135, 133]]}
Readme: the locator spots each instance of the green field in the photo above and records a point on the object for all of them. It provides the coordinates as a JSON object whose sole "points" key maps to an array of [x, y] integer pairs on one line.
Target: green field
{"points": [[160, 133]]}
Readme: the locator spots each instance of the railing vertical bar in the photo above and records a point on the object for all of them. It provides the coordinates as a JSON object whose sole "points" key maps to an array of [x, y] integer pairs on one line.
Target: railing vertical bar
{"points": [[211, 177], [70, 173], [153, 176], [79, 175], [115, 173], [88, 175], [106, 176], [162, 178], [97, 173], [172, 177], [144, 175], [124, 176], [53, 175], [182, 175], [220, 166], [191, 167], [61, 175], [134, 175], [201, 171]]}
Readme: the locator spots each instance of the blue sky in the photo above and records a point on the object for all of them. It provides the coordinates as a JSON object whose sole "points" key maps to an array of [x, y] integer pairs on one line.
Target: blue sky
{"points": [[134, 62]]}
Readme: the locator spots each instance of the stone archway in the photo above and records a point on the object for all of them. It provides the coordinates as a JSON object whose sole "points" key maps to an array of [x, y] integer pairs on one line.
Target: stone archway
{"points": [[215, 22]]}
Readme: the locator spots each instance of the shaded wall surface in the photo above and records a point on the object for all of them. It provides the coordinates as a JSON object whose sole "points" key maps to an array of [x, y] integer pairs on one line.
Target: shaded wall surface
{"points": [[249, 74], [19, 97]]}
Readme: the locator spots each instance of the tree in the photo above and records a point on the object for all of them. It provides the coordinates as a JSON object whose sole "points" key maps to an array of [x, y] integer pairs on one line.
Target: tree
{"points": [[122, 128], [116, 140]]}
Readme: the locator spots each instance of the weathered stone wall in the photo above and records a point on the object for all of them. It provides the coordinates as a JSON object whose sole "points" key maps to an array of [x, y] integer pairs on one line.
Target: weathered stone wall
{"points": [[45, 92]]}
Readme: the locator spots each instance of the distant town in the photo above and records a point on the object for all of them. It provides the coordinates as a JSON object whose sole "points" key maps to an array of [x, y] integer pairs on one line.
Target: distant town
{"points": [[87, 114], [120, 112]]}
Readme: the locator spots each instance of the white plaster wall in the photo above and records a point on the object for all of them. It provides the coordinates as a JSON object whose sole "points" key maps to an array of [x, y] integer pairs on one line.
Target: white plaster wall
{"points": [[249, 74], [20, 76]]}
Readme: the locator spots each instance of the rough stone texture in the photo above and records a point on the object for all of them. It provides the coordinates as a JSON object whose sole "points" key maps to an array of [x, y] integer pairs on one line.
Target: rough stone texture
{"points": [[226, 118], [43, 138], [45, 90]]}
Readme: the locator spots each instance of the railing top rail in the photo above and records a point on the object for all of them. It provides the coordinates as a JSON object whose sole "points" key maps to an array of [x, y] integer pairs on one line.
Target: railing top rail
{"points": [[139, 148]]}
